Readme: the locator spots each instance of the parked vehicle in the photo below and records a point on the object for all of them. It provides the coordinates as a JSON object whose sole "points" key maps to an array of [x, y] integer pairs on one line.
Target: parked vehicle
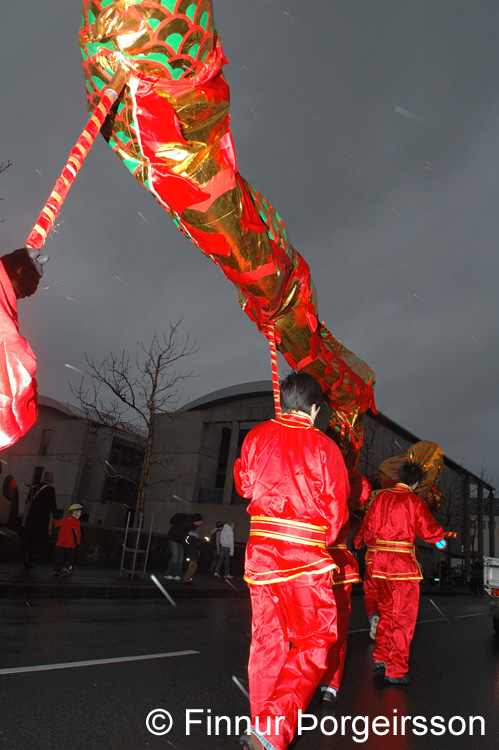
{"points": [[491, 585]]}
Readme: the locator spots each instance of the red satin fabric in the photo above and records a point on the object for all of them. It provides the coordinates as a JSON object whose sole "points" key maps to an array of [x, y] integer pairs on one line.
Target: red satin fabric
{"points": [[283, 678], [344, 577], [337, 653], [398, 610], [398, 515], [348, 567], [370, 586], [292, 472], [18, 393]]}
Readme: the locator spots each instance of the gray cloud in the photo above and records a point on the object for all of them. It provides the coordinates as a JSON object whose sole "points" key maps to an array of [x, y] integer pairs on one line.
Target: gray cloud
{"points": [[371, 125]]}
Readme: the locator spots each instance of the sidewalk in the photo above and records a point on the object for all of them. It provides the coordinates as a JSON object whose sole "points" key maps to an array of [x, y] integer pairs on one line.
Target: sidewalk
{"points": [[105, 583], [89, 581]]}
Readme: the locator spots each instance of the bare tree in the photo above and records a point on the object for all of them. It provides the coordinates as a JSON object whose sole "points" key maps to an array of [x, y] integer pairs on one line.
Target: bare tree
{"points": [[370, 456], [450, 512], [127, 397]]}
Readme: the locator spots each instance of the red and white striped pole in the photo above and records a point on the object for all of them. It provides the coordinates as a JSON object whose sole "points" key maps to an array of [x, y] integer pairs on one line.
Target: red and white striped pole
{"points": [[270, 333], [49, 213]]}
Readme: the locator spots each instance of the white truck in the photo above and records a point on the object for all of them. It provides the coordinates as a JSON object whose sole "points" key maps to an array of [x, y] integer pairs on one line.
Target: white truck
{"points": [[491, 585]]}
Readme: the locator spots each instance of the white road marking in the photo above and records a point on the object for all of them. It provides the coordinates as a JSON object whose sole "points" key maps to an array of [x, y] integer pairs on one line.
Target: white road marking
{"points": [[241, 687], [93, 662], [439, 610], [425, 622], [419, 622], [475, 614], [163, 590]]}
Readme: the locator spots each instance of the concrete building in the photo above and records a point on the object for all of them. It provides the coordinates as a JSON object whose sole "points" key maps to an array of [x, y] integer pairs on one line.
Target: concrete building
{"points": [[90, 463], [489, 527], [192, 467], [197, 448]]}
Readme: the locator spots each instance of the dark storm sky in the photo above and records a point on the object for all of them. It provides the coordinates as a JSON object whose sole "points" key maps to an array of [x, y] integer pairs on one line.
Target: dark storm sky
{"points": [[372, 125]]}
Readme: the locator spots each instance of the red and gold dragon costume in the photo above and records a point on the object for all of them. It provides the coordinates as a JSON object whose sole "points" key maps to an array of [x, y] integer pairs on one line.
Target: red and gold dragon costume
{"points": [[170, 127]]}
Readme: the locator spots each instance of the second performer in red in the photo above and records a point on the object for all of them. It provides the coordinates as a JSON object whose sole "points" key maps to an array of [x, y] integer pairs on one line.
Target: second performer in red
{"points": [[394, 520]]}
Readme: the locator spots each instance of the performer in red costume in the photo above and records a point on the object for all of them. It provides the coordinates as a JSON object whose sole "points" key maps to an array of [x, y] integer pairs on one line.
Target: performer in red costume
{"points": [[369, 585], [298, 483], [346, 575], [20, 273], [394, 520]]}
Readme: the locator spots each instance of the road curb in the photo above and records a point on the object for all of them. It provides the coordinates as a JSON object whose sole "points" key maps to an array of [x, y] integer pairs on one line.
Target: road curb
{"points": [[51, 590]]}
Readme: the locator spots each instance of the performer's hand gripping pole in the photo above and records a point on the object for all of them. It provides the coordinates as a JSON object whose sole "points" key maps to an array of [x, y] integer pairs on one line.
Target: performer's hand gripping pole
{"points": [[46, 220]]}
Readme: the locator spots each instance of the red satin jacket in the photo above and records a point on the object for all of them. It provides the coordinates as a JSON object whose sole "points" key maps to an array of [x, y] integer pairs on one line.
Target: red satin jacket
{"points": [[391, 525], [299, 487], [18, 395], [348, 567]]}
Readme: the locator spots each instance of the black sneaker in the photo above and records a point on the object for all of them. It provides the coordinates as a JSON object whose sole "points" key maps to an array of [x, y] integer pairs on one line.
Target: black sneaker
{"points": [[379, 668], [329, 694], [404, 680]]}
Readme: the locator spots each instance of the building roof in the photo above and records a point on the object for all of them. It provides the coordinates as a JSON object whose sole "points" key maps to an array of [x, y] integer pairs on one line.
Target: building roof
{"points": [[264, 388], [232, 393], [70, 411]]}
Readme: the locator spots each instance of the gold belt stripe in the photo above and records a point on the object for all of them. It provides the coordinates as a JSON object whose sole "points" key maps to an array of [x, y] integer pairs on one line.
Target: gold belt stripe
{"points": [[297, 532], [286, 522], [392, 546], [288, 538]]}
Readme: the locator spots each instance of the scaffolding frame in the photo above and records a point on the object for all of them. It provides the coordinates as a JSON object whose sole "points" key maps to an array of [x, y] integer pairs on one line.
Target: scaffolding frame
{"points": [[137, 551]]}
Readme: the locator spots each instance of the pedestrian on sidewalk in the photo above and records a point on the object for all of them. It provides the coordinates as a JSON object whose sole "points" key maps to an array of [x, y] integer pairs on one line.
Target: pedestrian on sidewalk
{"points": [[39, 518], [181, 524], [226, 550], [68, 540], [192, 546], [215, 545]]}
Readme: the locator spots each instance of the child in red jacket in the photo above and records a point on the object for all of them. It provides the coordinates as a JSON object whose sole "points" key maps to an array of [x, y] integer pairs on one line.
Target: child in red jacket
{"points": [[68, 540]]}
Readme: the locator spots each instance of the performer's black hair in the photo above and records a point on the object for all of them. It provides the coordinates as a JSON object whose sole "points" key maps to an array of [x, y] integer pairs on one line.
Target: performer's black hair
{"points": [[410, 473], [300, 391]]}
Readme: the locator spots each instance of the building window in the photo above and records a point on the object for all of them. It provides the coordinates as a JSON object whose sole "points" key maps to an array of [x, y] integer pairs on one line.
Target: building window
{"points": [[36, 478], [223, 455], [37, 475], [44, 442], [125, 469]]}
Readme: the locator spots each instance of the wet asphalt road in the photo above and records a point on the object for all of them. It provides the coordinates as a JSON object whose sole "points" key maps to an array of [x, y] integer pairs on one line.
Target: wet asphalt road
{"points": [[454, 664]]}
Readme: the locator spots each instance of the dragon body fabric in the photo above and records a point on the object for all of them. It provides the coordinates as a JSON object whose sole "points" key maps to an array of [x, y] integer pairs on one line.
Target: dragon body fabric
{"points": [[426, 454], [170, 127]]}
